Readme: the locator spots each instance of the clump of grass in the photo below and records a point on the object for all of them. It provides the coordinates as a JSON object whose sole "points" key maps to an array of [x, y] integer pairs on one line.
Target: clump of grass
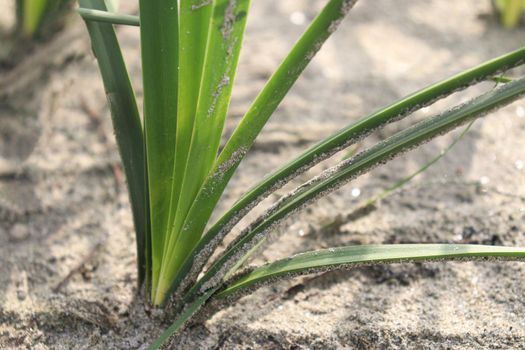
{"points": [[177, 171]]}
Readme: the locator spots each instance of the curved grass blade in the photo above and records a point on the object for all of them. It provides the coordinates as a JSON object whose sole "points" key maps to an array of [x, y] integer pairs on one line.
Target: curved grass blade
{"points": [[195, 17], [108, 17], [370, 203], [334, 143], [126, 122], [346, 257], [222, 55], [337, 176], [159, 40], [261, 110], [339, 258]]}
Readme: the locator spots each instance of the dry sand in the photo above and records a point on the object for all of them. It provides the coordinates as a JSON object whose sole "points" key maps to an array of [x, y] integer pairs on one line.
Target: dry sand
{"points": [[67, 261]]}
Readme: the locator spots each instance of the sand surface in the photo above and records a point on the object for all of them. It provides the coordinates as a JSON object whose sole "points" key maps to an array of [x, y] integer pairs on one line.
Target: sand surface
{"points": [[67, 260]]}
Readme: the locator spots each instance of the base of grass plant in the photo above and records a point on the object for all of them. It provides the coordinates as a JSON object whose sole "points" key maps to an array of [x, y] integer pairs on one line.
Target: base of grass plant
{"points": [[176, 173]]}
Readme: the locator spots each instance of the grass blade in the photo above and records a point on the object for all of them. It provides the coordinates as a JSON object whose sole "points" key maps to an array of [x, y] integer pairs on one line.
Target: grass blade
{"points": [[336, 142], [345, 257], [367, 204], [261, 110], [108, 17], [344, 172], [222, 54], [195, 16], [359, 130], [339, 258], [194, 22], [126, 122], [160, 49]]}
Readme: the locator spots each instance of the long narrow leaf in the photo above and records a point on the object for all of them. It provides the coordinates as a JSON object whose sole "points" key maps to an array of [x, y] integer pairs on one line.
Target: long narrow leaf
{"points": [[194, 24], [360, 129], [339, 258], [126, 122], [329, 146], [159, 40], [339, 175], [345, 257], [222, 54], [195, 17], [265, 104]]}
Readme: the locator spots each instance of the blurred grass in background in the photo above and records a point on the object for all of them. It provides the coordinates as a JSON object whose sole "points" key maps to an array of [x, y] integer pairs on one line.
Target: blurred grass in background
{"points": [[33, 15], [509, 11]]}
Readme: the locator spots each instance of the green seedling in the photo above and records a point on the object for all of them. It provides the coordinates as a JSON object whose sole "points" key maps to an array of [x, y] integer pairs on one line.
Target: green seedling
{"points": [[177, 169]]}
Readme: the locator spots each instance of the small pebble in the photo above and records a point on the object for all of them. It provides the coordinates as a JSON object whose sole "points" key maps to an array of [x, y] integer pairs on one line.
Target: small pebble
{"points": [[21, 295], [484, 180], [18, 233]]}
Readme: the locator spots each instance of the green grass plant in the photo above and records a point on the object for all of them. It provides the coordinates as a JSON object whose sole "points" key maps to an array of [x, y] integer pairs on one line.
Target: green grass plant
{"points": [[177, 170]]}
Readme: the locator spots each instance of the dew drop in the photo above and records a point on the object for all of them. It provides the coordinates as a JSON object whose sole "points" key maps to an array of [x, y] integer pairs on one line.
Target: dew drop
{"points": [[298, 18], [519, 164], [356, 192]]}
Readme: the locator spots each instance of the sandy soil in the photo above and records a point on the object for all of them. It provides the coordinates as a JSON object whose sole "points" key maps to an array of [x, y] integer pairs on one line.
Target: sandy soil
{"points": [[67, 273]]}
